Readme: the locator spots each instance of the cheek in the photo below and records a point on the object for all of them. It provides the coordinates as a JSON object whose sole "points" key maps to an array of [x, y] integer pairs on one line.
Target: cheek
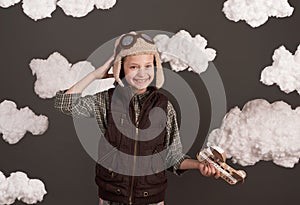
{"points": [[151, 73], [129, 75]]}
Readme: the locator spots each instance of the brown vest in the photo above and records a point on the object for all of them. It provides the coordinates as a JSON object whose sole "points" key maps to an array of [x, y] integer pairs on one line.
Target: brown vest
{"points": [[131, 189]]}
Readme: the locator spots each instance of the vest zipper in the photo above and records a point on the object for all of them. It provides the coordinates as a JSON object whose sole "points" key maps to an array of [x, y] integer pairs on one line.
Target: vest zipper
{"points": [[134, 161], [135, 149]]}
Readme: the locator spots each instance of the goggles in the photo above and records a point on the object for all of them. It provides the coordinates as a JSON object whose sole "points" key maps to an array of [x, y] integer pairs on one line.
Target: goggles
{"points": [[128, 40]]}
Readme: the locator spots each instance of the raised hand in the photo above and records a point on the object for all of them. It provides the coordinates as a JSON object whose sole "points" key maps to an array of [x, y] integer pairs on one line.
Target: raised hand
{"points": [[102, 71]]}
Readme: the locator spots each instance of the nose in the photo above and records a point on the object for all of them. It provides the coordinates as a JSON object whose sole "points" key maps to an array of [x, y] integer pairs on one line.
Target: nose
{"points": [[141, 71]]}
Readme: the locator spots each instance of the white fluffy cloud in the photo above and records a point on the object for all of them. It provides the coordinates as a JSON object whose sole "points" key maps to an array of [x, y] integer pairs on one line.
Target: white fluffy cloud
{"points": [[8, 3], [256, 12], [260, 131], [80, 8], [15, 123], [56, 73], [19, 186], [285, 70], [76, 8], [184, 51], [105, 4], [39, 9]]}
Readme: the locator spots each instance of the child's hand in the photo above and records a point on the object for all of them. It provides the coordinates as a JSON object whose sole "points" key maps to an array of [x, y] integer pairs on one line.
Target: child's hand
{"points": [[209, 170], [102, 71]]}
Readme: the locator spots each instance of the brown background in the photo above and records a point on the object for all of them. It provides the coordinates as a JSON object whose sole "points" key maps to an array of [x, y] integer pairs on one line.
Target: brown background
{"points": [[58, 158]]}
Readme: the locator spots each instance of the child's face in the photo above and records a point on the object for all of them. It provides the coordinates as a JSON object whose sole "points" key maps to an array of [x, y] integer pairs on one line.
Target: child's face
{"points": [[139, 71]]}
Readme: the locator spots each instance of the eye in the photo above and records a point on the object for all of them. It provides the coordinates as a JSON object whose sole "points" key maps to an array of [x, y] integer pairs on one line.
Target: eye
{"points": [[133, 67], [148, 66]]}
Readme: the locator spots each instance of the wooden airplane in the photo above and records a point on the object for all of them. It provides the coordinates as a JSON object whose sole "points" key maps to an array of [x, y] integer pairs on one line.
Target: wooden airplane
{"points": [[216, 156]]}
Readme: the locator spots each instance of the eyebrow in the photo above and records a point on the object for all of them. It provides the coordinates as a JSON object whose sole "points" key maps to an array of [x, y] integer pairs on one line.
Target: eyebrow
{"points": [[132, 63]]}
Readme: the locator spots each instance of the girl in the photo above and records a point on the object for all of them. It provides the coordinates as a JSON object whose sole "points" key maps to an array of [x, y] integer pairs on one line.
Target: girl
{"points": [[138, 74]]}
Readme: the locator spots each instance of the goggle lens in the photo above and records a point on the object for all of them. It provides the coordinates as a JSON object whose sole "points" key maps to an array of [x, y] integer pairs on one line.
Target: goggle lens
{"points": [[127, 40]]}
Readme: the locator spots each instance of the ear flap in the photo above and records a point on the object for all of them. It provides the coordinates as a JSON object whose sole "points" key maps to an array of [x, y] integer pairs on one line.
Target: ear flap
{"points": [[159, 71], [116, 72]]}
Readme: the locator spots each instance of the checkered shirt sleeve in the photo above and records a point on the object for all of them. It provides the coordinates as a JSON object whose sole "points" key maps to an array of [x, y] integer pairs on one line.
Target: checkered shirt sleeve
{"points": [[174, 147], [74, 105]]}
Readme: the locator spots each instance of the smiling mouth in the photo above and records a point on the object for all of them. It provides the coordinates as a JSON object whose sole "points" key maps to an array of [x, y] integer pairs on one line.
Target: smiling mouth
{"points": [[141, 80]]}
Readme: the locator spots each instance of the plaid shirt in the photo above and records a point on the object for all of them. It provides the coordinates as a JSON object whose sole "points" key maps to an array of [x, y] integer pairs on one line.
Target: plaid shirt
{"points": [[77, 106]]}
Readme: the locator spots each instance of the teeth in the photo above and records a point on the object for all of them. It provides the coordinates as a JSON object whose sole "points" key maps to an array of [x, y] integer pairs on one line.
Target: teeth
{"points": [[141, 81]]}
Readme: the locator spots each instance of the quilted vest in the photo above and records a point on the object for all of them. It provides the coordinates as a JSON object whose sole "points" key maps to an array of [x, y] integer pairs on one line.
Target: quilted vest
{"points": [[132, 189]]}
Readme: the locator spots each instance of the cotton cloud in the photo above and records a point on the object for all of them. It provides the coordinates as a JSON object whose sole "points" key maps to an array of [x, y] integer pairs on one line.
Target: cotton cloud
{"points": [[80, 8], [285, 70], [39, 9], [260, 131], [76, 8], [105, 4], [56, 73], [19, 186], [8, 3], [15, 123], [256, 12], [183, 51]]}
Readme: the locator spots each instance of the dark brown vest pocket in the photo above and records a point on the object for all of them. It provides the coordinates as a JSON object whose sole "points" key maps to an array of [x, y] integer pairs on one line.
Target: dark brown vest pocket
{"points": [[158, 178], [108, 175]]}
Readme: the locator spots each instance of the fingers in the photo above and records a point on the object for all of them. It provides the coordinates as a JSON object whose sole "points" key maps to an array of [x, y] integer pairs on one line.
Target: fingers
{"points": [[209, 170], [204, 169], [213, 169], [108, 62], [218, 174], [106, 66], [215, 172], [111, 58], [101, 202]]}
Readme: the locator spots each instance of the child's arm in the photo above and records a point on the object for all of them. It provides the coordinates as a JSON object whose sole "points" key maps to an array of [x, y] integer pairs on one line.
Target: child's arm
{"points": [[99, 73], [181, 162], [206, 170], [71, 103]]}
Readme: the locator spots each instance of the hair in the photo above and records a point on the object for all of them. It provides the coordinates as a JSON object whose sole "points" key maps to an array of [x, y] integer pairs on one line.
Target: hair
{"points": [[122, 72]]}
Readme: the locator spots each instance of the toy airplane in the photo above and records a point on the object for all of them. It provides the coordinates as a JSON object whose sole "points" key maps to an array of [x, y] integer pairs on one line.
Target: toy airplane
{"points": [[216, 156]]}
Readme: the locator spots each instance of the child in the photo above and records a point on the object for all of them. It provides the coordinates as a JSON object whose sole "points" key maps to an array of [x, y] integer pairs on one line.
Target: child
{"points": [[138, 74]]}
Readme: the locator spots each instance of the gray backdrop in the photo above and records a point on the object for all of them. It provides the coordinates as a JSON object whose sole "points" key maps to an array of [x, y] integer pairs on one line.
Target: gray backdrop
{"points": [[58, 158]]}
